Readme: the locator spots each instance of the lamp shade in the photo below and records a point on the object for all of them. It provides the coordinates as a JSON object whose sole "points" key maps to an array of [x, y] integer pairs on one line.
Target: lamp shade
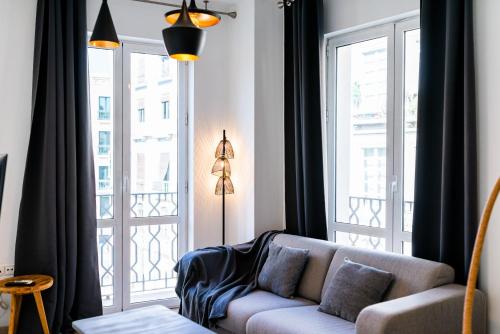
{"points": [[104, 34], [225, 148], [226, 183], [221, 167], [184, 41], [202, 18]]}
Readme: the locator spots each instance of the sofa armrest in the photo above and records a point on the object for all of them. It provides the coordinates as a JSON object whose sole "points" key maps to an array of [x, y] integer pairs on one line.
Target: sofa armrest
{"points": [[437, 310]]}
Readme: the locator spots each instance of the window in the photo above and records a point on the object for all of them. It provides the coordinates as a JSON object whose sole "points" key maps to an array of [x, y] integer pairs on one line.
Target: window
{"points": [[104, 178], [141, 115], [104, 142], [371, 120], [165, 67], [165, 109], [104, 107], [141, 223]]}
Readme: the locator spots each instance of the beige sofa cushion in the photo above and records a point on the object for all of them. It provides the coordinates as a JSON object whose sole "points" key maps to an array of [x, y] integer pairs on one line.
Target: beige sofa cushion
{"points": [[320, 255], [411, 275], [298, 320], [241, 309]]}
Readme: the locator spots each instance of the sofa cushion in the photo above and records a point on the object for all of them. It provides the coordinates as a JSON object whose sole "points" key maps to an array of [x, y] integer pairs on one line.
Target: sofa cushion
{"points": [[241, 309], [283, 268], [411, 274], [298, 320], [354, 287], [320, 255]]}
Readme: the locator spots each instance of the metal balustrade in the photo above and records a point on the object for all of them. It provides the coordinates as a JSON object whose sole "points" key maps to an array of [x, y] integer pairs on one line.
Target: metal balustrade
{"points": [[153, 248], [370, 212]]}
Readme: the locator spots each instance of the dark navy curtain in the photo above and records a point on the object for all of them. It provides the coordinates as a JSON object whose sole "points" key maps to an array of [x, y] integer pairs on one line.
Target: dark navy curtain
{"points": [[304, 187], [57, 220], [445, 216]]}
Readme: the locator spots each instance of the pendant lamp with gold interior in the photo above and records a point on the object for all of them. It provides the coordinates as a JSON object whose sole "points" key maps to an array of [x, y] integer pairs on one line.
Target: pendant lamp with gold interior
{"points": [[184, 41], [202, 18], [104, 33]]}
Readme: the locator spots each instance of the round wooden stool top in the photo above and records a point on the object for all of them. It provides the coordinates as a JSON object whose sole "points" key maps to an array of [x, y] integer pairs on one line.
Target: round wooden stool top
{"points": [[42, 282]]}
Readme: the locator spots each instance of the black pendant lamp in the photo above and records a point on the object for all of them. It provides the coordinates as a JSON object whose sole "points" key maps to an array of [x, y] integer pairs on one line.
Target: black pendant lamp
{"points": [[184, 41], [104, 34], [202, 18]]}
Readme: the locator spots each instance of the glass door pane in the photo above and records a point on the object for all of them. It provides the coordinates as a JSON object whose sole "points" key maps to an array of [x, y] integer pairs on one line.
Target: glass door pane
{"points": [[101, 94], [154, 139], [411, 69], [154, 164], [361, 139]]}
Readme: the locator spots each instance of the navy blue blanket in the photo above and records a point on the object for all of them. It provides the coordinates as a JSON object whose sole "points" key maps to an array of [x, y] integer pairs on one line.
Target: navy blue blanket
{"points": [[210, 278]]}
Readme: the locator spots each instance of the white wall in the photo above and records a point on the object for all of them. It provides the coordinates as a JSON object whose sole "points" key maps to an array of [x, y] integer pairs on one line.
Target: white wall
{"points": [[239, 87], [269, 121], [131, 18], [487, 26], [17, 28], [341, 14]]}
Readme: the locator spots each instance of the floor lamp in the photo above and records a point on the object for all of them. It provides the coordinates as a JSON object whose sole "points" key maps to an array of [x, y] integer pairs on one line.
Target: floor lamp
{"points": [[476, 259], [222, 169]]}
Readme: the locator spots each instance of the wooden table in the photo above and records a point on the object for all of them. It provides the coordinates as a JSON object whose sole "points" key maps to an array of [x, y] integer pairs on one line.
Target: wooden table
{"points": [[42, 282]]}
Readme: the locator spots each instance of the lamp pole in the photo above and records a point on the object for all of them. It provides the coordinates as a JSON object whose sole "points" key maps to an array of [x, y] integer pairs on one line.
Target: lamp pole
{"points": [[224, 190]]}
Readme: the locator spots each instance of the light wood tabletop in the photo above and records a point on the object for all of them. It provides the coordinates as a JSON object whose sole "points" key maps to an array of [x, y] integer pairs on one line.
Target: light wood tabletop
{"points": [[41, 283]]}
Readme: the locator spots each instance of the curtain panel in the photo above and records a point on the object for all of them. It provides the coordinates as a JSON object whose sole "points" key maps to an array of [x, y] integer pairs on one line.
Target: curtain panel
{"points": [[57, 220], [445, 215], [304, 186]]}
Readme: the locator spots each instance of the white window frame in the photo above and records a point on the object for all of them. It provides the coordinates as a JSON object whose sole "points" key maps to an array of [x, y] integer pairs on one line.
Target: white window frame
{"points": [[394, 29], [121, 221]]}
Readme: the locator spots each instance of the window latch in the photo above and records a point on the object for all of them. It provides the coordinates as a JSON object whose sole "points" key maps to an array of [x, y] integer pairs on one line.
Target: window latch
{"points": [[394, 184]]}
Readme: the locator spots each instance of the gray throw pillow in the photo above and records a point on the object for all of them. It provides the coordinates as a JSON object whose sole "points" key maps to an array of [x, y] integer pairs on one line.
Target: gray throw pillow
{"points": [[354, 287], [282, 270]]}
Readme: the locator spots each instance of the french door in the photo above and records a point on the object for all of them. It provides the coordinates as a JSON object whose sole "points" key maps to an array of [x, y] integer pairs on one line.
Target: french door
{"points": [[372, 97], [138, 109]]}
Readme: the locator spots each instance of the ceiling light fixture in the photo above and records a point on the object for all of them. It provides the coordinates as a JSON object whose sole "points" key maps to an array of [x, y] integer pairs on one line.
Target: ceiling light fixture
{"points": [[184, 41], [104, 34], [202, 18]]}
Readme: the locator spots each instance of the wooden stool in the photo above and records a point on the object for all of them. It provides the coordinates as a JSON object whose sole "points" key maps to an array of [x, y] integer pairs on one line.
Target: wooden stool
{"points": [[42, 282]]}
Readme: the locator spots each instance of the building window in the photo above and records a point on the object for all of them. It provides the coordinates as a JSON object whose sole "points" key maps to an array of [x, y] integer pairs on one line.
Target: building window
{"points": [[165, 109], [104, 108], [165, 67], [104, 177], [371, 120], [374, 170], [104, 142], [105, 206], [141, 115]]}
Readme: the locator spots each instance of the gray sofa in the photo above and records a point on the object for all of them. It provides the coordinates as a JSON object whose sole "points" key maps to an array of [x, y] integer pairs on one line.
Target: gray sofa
{"points": [[422, 298]]}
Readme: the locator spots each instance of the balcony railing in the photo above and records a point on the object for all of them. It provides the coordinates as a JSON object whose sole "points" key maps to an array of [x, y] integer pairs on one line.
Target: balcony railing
{"points": [[142, 205], [371, 212], [153, 248]]}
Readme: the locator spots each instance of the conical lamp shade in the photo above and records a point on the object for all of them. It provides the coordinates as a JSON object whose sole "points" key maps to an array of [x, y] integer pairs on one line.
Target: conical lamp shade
{"points": [[202, 18], [228, 152], [184, 41], [221, 167], [226, 183], [104, 34]]}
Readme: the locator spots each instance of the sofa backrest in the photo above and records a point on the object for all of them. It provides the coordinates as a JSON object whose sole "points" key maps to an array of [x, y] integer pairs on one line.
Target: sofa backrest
{"points": [[412, 275], [320, 256]]}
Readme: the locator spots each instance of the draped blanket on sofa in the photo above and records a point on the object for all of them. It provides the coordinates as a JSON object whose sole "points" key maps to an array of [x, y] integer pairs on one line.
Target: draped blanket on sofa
{"points": [[210, 278]]}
